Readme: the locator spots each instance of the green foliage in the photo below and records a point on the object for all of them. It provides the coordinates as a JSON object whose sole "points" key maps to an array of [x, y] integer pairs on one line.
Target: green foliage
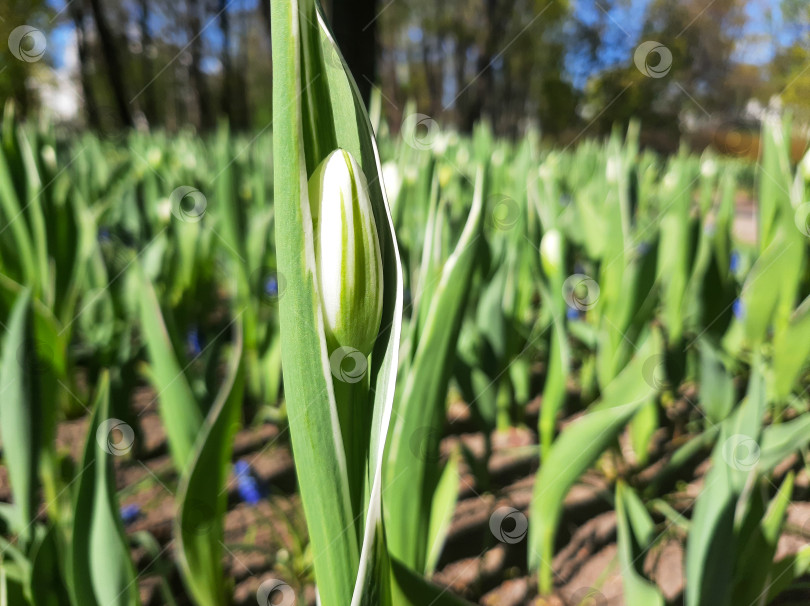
{"points": [[604, 279], [203, 493], [338, 422], [101, 571], [20, 414]]}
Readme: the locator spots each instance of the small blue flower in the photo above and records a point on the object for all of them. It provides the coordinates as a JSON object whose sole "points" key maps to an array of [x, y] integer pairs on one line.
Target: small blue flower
{"points": [[738, 308], [130, 513], [247, 484], [271, 286], [241, 468], [193, 342], [104, 235], [734, 262], [573, 314]]}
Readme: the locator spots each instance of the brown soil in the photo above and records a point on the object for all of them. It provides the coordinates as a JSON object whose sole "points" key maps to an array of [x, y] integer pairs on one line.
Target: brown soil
{"points": [[268, 541]]}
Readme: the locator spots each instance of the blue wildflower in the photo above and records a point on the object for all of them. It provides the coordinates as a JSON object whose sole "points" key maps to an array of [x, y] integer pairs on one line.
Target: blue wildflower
{"points": [[734, 262], [247, 484], [130, 513], [271, 286], [104, 235], [193, 342], [738, 307], [573, 314]]}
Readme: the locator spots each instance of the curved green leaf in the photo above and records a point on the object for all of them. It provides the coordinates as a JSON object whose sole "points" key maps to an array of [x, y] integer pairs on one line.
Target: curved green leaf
{"points": [[203, 495], [20, 413], [579, 446], [635, 531], [178, 407], [101, 570], [410, 589], [712, 542], [410, 481]]}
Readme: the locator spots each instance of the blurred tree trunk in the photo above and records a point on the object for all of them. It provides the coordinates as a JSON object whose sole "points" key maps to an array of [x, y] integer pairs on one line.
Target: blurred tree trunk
{"points": [[434, 84], [264, 9], [90, 104], [149, 105], [114, 69], [240, 103], [197, 76], [485, 99], [459, 70], [226, 106], [355, 26]]}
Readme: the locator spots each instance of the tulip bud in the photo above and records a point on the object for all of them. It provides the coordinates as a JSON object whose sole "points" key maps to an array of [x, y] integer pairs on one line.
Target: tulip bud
{"points": [[551, 252], [347, 252]]}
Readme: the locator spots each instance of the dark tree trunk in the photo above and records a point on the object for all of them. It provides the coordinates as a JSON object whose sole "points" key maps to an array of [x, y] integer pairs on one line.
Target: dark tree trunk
{"points": [[197, 76], [264, 9], [90, 104], [240, 104], [149, 104], [355, 27], [459, 70], [485, 94], [114, 68], [226, 106], [434, 88]]}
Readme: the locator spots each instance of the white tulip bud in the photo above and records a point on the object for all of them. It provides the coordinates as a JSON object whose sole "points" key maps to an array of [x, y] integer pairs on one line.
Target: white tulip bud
{"points": [[708, 168], [347, 252], [551, 252]]}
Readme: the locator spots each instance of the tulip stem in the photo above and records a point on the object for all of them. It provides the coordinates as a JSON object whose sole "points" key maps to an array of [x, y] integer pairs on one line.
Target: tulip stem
{"points": [[352, 399]]}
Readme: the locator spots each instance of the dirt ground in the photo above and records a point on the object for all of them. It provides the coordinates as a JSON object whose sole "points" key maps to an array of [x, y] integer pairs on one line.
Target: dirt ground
{"points": [[267, 540]]}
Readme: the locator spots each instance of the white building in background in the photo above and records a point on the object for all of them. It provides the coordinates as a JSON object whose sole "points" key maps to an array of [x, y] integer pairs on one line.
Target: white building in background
{"points": [[59, 89]]}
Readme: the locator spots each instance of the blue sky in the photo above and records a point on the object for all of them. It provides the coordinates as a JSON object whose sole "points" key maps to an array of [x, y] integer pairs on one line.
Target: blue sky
{"points": [[765, 31], [623, 29]]}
